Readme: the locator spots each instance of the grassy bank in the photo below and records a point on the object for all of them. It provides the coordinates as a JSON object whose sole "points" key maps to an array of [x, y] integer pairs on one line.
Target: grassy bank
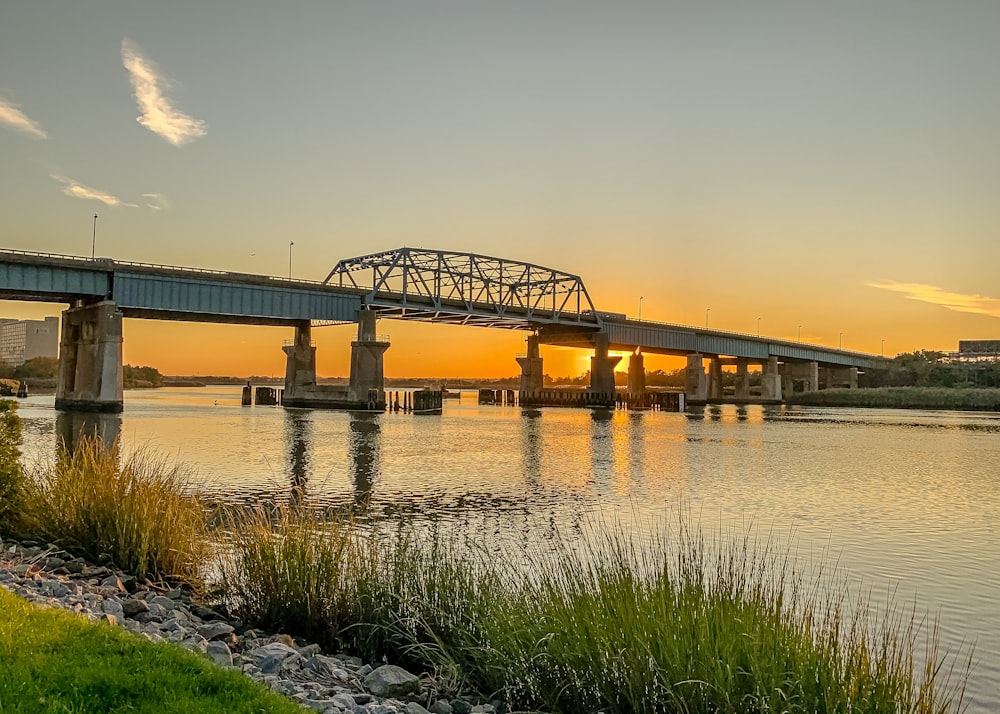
{"points": [[674, 626], [131, 511], [903, 398], [54, 661]]}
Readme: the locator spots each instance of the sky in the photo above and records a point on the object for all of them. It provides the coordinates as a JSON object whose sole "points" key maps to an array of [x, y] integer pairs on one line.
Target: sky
{"points": [[831, 168]]}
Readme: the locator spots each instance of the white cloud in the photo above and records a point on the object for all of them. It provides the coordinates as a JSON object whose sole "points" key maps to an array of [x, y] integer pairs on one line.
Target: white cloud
{"points": [[78, 190], [959, 302], [157, 112], [12, 116], [156, 201]]}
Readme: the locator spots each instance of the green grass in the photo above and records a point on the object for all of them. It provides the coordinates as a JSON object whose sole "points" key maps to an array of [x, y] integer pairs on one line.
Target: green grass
{"points": [[54, 661], [903, 398], [672, 626], [132, 511]]}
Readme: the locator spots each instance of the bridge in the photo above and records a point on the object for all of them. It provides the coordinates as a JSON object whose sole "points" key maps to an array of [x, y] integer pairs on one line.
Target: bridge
{"points": [[404, 284]]}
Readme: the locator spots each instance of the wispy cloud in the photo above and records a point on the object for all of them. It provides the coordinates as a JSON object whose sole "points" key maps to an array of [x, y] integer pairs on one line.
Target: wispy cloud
{"points": [[959, 302], [12, 116], [156, 201], [78, 190], [157, 112]]}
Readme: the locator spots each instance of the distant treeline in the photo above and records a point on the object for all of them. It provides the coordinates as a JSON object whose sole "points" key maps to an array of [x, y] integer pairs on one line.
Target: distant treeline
{"points": [[926, 368]]}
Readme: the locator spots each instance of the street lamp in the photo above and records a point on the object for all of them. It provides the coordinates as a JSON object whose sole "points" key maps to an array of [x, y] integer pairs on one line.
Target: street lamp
{"points": [[290, 244], [758, 327], [841, 343], [707, 310], [883, 347], [93, 243], [800, 333], [640, 307]]}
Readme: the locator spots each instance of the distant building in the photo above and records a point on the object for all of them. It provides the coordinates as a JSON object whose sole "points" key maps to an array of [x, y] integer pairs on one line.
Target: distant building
{"points": [[978, 350], [21, 340]]}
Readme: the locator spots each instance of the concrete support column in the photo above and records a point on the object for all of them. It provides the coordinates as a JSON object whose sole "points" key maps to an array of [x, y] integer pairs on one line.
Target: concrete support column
{"points": [[636, 374], [812, 377], [715, 380], [531, 368], [367, 368], [300, 363], [695, 380], [602, 368], [742, 388], [841, 377], [90, 359], [770, 381], [787, 376]]}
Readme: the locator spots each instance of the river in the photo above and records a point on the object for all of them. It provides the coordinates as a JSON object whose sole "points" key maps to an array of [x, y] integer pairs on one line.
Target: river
{"points": [[905, 502]]}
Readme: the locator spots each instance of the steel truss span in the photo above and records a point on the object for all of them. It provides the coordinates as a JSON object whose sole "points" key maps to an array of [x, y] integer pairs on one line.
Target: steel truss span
{"points": [[466, 289]]}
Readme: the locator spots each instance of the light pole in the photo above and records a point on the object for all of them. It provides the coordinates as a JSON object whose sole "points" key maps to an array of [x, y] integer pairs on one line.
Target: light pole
{"points": [[758, 327], [840, 345], [800, 333], [883, 347], [93, 243], [640, 307], [707, 310], [290, 244]]}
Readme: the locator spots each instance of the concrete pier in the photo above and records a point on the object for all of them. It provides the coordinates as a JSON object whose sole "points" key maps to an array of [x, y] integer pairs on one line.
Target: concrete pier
{"points": [[770, 382], [366, 390], [90, 359], [636, 374], [531, 368], [715, 380], [695, 380], [741, 390], [367, 383], [602, 372]]}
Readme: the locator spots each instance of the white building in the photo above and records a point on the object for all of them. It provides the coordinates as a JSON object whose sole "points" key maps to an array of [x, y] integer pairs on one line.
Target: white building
{"points": [[21, 340]]}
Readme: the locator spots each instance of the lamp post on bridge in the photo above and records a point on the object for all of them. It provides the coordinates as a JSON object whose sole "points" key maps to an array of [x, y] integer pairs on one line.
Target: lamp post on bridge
{"points": [[840, 344], [883, 347], [800, 333], [290, 244], [758, 327], [640, 307], [93, 243], [707, 310]]}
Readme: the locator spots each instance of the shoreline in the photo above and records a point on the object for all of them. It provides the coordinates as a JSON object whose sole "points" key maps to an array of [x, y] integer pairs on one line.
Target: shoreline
{"points": [[338, 683], [925, 398]]}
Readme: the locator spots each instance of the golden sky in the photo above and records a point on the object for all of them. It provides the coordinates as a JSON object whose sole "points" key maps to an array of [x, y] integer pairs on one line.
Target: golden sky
{"points": [[833, 166]]}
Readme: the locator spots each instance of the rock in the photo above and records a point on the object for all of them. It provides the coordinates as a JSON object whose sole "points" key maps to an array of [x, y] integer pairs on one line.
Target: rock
{"points": [[441, 706], [113, 607], [344, 701], [309, 650], [75, 567], [164, 602], [392, 681], [215, 630], [414, 708], [133, 607], [460, 706], [219, 653], [53, 563], [269, 657]]}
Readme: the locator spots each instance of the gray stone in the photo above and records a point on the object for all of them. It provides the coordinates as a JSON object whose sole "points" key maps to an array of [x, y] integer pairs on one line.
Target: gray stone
{"points": [[414, 708], [460, 706], [164, 602], [113, 607], [441, 706], [215, 630], [344, 701], [114, 582], [392, 681], [22, 569], [219, 653], [269, 657], [133, 606]]}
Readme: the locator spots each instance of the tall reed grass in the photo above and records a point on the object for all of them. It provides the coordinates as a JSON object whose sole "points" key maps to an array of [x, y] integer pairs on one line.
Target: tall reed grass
{"points": [[11, 474], [133, 511], [676, 625]]}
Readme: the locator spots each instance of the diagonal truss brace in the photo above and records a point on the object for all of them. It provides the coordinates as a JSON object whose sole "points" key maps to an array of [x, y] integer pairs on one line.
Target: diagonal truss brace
{"points": [[466, 288]]}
